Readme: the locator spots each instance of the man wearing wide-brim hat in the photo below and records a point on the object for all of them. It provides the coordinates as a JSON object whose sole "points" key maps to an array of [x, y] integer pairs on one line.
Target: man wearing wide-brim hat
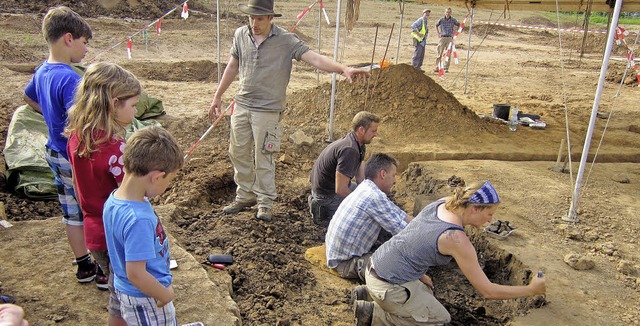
{"points": [[262, 54]]}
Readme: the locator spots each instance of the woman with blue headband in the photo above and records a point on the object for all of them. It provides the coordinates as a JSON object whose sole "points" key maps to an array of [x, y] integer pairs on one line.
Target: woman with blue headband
{"points": [[397, 280]]}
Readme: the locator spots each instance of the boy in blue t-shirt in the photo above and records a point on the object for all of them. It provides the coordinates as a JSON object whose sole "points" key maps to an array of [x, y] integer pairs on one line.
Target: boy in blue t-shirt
{"points": [[137, 243], [51, 91]]}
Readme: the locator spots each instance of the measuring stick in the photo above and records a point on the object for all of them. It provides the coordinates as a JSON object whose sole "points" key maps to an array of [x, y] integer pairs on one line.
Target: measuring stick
{"points": [[208, 130], [326, 17]]}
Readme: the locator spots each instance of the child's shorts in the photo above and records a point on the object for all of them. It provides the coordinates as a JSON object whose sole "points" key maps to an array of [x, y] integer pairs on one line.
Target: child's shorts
{"points": [[144, 311], [62, 173]]}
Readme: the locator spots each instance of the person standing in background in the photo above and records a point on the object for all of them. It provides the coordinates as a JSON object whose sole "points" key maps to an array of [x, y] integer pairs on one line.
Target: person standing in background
{"points": [[445, 27], [419, 32]]}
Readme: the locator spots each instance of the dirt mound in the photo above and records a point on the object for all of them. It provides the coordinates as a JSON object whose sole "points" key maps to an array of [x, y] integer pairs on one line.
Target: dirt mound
{"points": [[200, 70], [572, 41], [407, 101], [11, 53], [111, 8], [538, 21], [616, 71]]}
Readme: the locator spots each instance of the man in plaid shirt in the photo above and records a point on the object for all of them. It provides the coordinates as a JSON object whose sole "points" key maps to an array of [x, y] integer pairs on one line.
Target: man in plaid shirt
{"points": [[355, 226], [445, 27]]}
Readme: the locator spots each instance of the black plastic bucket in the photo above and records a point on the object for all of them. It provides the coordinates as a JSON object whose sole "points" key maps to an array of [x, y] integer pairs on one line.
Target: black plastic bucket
{"points": [[501, 111]]}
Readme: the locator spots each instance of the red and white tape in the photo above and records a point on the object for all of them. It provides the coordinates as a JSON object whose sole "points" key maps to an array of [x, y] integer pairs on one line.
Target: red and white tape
{"points": [[306, 11], [631, 62], [573, 30]]}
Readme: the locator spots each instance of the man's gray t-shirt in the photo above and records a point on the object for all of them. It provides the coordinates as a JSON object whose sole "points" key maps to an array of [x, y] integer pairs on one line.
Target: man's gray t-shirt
{"points": [[264, 71], [343, 155]]}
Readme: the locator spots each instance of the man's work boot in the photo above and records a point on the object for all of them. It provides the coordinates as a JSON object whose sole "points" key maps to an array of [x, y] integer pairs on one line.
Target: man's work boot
{"points": [[364, 312], [264, 214], [360, 292], [237, 206]]}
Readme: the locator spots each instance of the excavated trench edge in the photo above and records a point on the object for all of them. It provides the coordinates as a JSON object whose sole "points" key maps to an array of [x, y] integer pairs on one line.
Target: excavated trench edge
{"points": [[405, 158]]}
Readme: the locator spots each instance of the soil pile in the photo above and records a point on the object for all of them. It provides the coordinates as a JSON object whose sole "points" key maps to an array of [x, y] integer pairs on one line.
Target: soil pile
{"points": [[111, 8], [615, 73], [409, 102], [11, 53]]}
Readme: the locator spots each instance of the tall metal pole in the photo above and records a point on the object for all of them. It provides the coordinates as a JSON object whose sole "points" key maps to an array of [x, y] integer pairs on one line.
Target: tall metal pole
{"points": [[400, 30], [333, 75], [571, 217], [319, 38], [218, 35], [466, 73]]}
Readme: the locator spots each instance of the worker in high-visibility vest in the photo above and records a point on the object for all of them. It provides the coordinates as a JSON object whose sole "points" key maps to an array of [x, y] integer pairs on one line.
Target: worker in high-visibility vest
{"points": [[419, 31]]}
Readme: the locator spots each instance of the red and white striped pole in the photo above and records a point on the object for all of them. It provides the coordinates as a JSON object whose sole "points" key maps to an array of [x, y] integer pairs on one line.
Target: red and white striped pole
{"points": [[185, 11], [301, 15], [324, 11], [129, 48]]}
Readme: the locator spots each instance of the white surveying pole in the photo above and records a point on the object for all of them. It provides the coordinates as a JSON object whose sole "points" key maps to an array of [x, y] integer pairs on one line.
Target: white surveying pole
{"points": [[571, 217], [333, 76]]}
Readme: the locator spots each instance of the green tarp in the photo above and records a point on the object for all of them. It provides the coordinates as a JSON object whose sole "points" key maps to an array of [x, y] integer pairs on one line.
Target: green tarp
{"points": [[27, 170], [24, 153]]}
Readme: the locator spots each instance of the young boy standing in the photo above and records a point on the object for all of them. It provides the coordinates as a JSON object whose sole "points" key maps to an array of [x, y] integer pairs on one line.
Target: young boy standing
{"points": [[137, 243], [51, 91]]}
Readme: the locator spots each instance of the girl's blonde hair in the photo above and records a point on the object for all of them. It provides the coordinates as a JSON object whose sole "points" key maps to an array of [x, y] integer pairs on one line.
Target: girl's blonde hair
{"points": [[102, 82]]}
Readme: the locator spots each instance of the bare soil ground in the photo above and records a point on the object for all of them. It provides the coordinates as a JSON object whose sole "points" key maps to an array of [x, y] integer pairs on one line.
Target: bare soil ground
{"points": [[431, 125]]}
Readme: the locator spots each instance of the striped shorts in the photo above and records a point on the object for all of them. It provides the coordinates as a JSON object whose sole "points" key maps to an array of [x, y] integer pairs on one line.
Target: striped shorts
{"points": [[64, 186], [144, 311]]}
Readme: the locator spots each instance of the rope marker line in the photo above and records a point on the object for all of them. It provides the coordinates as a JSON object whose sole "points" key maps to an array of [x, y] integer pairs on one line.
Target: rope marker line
{"points": [[126, 39], [573, 30]]}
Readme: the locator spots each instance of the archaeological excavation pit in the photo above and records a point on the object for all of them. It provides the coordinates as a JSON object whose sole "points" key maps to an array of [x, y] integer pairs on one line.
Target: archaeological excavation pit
{"points": [[271, 280]]}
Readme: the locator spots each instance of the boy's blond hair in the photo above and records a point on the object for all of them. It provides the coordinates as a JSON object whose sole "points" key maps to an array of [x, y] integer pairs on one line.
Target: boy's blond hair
{"points": [[61, 20], [92, 111], [152, 149]]}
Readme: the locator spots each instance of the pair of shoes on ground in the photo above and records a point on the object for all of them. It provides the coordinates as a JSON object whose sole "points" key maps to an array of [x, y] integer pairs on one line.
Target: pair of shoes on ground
{"points": [[264, 213], [93, 272]]}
